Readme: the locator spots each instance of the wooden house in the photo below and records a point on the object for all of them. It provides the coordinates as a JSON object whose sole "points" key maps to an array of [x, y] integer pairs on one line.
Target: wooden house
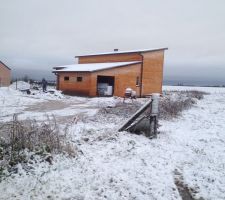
{"points": [[5, 75], [111, 73]]}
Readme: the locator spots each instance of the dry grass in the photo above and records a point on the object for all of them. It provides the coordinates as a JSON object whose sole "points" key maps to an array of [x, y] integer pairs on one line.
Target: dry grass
{"points": [[170, 109], [121, 109], [43, 139], [173, 103], [194, 94], [46, 139]]}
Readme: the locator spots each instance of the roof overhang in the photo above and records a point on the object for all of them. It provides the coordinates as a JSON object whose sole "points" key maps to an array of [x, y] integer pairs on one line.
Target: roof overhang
{"points": [[92, 67], [124, 52], [5, 65]]}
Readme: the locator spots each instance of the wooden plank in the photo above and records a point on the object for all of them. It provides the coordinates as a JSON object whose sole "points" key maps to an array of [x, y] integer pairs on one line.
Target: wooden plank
{"points": [[135, 116], [135, 123]]}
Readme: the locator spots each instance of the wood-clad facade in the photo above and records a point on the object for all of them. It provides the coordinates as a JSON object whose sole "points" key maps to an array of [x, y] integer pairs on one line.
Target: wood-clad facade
{"points": [[152, 73], [124, 77], [5, 75], [144, 77], [72, 86], [125, 57]]}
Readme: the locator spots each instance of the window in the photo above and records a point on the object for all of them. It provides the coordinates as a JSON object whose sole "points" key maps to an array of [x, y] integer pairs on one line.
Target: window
{"points": [[66, 78], [137, 81], [79, 79]]}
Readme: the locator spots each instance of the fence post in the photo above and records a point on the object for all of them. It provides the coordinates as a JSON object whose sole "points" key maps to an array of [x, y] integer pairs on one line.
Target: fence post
{"points": [[154, 115]]}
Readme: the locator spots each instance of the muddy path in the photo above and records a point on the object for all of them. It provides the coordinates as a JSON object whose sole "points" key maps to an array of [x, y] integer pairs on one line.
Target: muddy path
{"points": [[186, 193], [51, 105], [47, 106], [63, 111]]}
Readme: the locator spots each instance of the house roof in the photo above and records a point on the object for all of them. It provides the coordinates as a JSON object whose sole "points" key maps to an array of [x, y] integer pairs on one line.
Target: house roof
{"points": [[123, 52], [4, 65], [92, 67]]}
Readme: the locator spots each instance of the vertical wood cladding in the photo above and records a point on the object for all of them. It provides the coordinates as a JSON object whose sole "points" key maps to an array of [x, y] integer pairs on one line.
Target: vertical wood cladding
{"points": [[124, 77], [72, 86], [152, 72], [128, 57], [5, 76]]}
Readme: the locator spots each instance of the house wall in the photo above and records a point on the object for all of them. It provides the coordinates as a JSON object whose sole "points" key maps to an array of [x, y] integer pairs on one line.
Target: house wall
{"points": [[72, 86], [152, 76], [128, 57], [152, 72], [124, 77], [5, 76]]}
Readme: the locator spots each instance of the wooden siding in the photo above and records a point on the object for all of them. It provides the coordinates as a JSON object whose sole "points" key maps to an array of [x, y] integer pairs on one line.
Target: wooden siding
{"points": [[72, 86], [5, 76], [124, 77], [152, 72], [129, 57]]}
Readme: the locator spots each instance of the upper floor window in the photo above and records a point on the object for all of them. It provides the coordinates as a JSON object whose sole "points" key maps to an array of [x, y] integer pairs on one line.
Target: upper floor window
{"points": [[66, 78]]}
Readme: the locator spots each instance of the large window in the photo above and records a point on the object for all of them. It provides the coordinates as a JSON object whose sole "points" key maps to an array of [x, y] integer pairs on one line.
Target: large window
{"points": [[66, 78]]}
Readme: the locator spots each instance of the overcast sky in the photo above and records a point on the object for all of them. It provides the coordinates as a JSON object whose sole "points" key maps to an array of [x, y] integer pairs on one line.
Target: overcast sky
{"points": [[36, 35]]}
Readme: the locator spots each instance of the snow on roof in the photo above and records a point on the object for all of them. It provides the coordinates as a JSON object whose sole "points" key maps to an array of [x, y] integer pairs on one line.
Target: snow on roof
{"points": [[91, 67], [4, 65], [122, 52]]}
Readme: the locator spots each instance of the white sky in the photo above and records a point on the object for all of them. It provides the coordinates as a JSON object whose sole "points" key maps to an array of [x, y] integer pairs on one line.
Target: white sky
{"points": [[41, 34]]}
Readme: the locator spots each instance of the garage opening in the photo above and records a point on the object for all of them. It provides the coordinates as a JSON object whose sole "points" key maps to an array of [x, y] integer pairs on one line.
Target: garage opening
{"points": [[105, 85]]}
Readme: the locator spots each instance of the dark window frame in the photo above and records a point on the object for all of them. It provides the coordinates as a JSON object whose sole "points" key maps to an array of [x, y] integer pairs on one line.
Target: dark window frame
{"points": [[137, 81], [66, 78], [79, 79]]}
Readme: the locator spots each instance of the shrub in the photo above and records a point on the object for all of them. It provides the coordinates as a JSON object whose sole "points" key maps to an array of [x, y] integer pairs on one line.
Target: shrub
{"points": [[196, 94], [169, 108], [174, 102], [22, 140]]}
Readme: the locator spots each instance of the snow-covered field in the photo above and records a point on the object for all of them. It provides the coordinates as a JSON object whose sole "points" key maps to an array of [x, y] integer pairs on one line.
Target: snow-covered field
{"points": [[118, 165]]}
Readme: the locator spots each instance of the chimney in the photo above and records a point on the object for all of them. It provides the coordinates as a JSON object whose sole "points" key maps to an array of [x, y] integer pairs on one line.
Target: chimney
{"points": [[116, 49]]}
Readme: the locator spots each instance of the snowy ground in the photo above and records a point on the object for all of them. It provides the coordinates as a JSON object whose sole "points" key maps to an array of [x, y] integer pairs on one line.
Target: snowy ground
{"points": [[112, 165]]}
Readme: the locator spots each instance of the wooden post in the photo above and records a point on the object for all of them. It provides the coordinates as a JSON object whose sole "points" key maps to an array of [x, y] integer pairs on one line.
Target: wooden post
{"points": [[154, 115], [135, 116]]}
